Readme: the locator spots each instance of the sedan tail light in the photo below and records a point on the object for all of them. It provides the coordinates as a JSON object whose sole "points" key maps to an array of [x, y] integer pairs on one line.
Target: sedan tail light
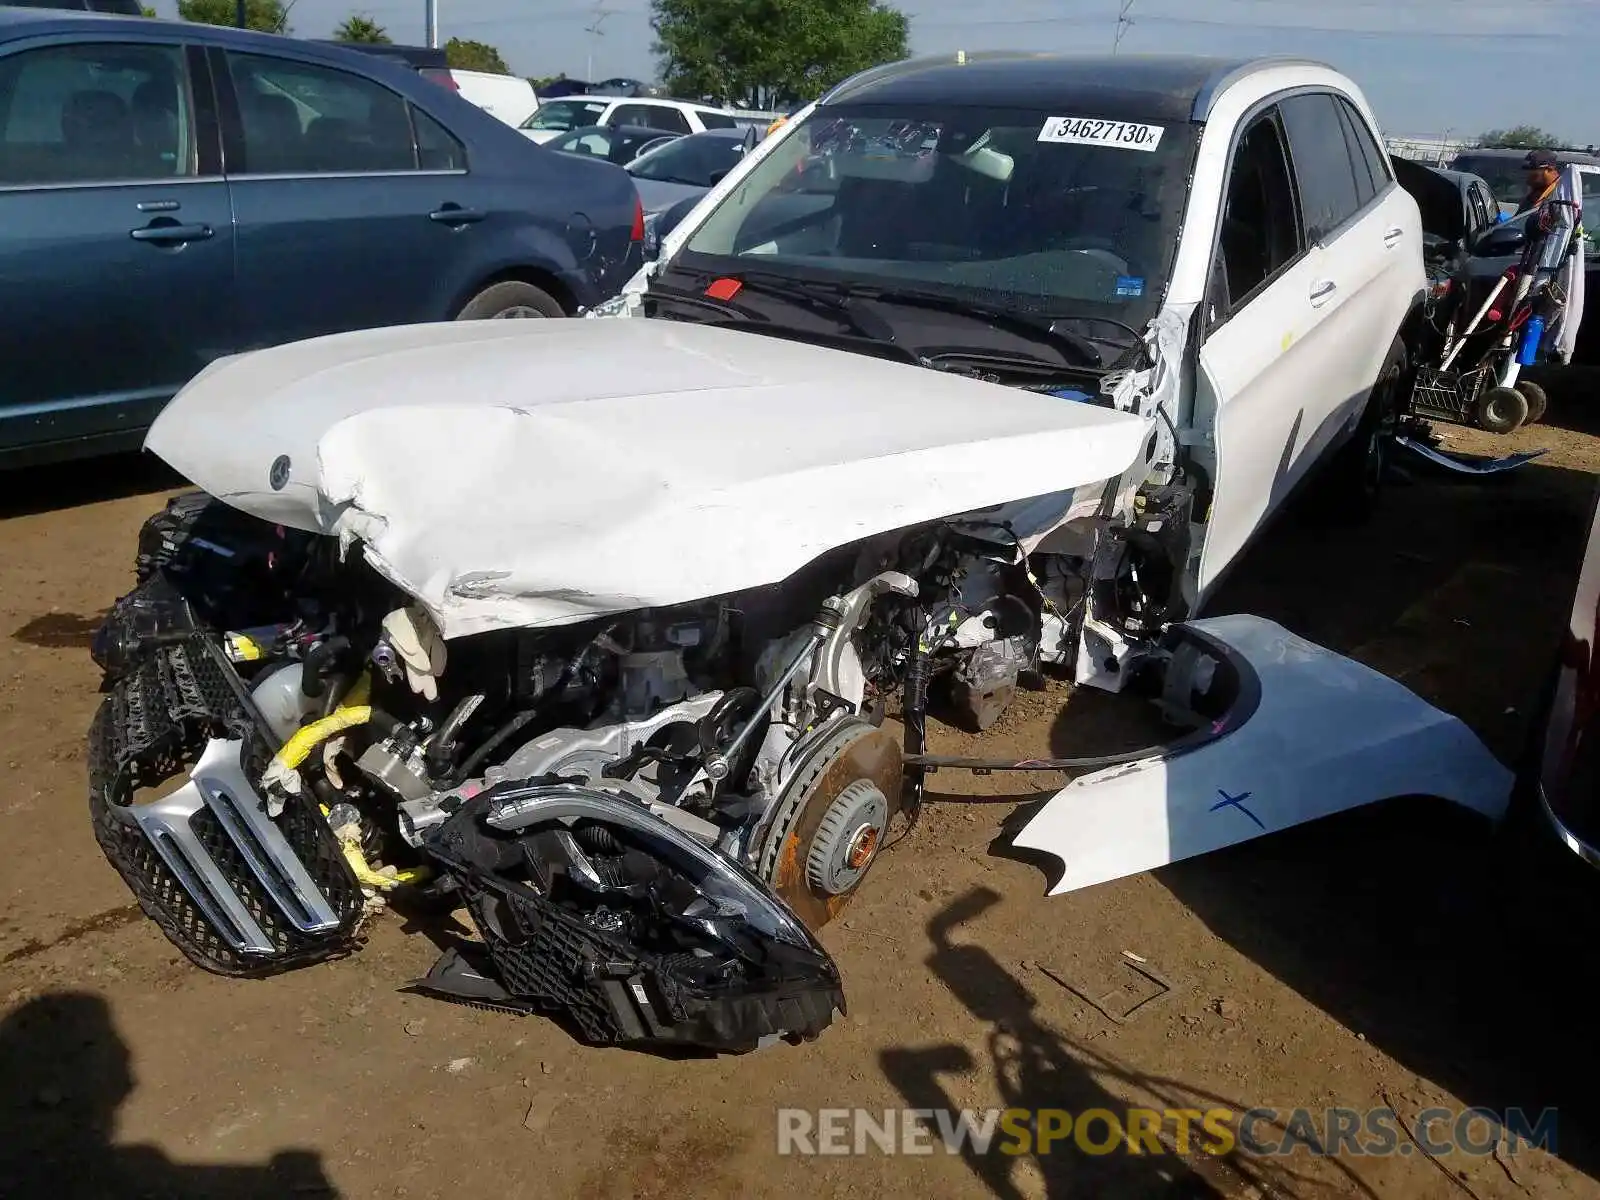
{"points": [[638, 220]]}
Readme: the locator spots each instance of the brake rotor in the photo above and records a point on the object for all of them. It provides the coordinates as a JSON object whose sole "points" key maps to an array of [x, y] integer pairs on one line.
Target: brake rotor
{"points": [[831, 820]]}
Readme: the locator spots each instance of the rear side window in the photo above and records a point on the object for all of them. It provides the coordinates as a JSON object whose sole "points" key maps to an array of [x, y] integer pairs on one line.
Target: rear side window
{"points": [[1322, 165], [1260, 230], [653, 116], [301, 119], [1365, 146], [89, 113], [1370, 176], [437, 148], [716, 120]]}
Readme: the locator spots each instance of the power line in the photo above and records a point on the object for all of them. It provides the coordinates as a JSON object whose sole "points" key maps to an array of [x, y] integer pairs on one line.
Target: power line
{"points": [[1124, 23]]}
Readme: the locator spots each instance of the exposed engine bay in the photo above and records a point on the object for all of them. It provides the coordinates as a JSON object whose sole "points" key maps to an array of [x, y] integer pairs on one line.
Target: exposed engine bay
{"points": [[646, 815]]}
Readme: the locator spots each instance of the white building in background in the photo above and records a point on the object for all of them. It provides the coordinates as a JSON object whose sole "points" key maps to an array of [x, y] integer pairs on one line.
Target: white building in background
{"points": [[1435, 151]]}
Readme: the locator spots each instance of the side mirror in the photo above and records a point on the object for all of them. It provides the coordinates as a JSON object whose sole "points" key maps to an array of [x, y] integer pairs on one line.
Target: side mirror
{"points": [[1501, 240], [665, 223], [717, 177]]}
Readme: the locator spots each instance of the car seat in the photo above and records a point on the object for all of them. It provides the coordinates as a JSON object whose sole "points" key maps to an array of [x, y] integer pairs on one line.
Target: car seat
{"points": [[96, 134]]}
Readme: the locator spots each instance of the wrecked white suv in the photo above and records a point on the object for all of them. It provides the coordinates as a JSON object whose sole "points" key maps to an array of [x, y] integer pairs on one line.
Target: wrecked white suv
{"points": [[977, 368]]}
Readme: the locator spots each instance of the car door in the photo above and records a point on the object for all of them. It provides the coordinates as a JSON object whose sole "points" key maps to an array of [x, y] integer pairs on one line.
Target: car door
{"points": [[1263, 304], [1369, 239], [352, 204], [116, 239]]}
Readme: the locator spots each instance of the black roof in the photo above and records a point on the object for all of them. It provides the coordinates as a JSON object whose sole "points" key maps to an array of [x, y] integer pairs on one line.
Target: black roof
{"points": [[430, 58], [1156, 87], [1565, 156]]}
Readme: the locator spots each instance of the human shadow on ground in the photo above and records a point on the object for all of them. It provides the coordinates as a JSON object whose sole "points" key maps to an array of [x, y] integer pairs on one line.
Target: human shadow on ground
{"points": [[1035, 1066], [64, 1072]]}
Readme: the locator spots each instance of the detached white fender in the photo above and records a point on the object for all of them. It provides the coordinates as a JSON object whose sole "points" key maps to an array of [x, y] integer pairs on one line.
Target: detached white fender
{"points": [[1308, 733]]}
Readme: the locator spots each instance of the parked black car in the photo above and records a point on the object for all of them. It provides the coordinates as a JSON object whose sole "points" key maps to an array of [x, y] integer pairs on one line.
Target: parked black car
{"points": [[1507, 179], [121, 8], [171, 193], [619, 144]]}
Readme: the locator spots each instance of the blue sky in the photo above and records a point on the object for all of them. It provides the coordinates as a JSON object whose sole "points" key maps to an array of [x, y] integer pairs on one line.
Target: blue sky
{"points": [[1428, 66]]}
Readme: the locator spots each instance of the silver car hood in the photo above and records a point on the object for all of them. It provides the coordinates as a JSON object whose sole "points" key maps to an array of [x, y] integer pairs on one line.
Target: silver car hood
{"points": [[531, 473]]}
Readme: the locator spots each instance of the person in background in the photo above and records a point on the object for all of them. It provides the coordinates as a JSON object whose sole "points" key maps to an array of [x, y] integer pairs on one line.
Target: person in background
{"points": [[1556, 212]]}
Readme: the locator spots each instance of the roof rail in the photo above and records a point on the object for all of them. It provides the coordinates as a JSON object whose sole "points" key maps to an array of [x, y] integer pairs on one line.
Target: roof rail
{"points": [[1215, 86], [906, 66]]}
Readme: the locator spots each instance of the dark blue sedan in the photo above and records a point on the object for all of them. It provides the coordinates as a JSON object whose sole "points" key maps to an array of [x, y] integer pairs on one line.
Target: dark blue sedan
{"points": [[171, 193]]}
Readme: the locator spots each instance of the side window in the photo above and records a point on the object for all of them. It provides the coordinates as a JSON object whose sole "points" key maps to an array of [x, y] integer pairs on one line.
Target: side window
{"points": [[1480, 207], [1366, 186], [301, 119], [1364, 146], [1322, 165], [87, 113], [437, 148], [716, 120], [653, 116], [1260, 229]]}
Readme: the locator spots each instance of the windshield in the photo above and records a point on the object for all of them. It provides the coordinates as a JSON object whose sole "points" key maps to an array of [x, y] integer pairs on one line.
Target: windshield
{"points": [[1023, 209], [693, 160], [562, 115]]}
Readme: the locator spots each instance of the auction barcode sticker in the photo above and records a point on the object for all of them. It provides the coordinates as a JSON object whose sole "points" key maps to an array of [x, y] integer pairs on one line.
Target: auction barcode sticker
{"points": [[1088, 131]]}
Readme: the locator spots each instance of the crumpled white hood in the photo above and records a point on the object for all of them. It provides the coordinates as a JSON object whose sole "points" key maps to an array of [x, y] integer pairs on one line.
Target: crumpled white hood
{"points": [[527, 473]]}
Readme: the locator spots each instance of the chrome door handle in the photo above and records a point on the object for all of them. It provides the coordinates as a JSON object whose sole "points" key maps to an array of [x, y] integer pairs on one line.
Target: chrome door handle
{"points": [[171, 233], [451, 214], [1391, 239], [1321, 291]]}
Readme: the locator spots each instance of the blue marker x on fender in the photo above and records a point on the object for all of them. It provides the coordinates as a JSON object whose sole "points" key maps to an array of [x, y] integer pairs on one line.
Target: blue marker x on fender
{"points": [[1228, 801]]}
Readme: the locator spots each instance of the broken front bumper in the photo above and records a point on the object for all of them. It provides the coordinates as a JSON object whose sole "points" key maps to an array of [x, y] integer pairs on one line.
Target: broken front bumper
{"points": [[237, 892]]}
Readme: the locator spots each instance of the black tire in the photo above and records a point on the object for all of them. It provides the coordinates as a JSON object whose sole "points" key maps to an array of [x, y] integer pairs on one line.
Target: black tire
{"points": [[1538, 400], [1354, 476], [512, 299], [1500, 410]]}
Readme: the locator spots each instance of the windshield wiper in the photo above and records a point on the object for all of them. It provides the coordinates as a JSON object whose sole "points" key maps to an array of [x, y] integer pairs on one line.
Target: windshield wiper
{"points": [[821, 298], [1038, 329], [731, 318], [993, 364]]}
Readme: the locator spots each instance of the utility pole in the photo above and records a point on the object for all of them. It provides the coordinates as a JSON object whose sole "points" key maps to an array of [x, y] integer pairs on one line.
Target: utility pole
{"points": [[594, 31], [1124, 22], [432, 21], [239, 14]]}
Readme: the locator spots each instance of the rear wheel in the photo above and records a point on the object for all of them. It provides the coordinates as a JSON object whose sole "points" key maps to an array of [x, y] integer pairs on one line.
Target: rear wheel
{"points": [[1538, 400], [1500, 410], [510, 300], [1356, 472]]}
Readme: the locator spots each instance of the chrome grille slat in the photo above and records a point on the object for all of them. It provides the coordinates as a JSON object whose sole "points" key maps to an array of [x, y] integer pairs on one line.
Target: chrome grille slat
{"points": [[166, 824], [233, 801]]}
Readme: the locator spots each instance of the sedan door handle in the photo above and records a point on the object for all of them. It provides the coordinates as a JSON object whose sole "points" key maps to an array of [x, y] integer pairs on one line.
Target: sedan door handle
{"points": [[454, 214], [171, 233], [1320, 292], [1391, 239]]}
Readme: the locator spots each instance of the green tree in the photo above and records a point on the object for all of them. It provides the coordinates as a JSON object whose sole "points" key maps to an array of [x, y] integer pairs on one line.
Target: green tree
{"points": [[146, 11], [768, 53], [541, 82], [474, 56], [360, 28], [1522, 137], [264, 16]]}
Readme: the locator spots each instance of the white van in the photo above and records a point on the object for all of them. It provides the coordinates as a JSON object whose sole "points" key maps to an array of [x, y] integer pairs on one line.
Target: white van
{"points": [[508, 97]]}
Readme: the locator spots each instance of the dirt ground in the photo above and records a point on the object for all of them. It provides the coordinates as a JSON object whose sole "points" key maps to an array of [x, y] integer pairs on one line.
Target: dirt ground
{"points": [[1402, 954]]}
